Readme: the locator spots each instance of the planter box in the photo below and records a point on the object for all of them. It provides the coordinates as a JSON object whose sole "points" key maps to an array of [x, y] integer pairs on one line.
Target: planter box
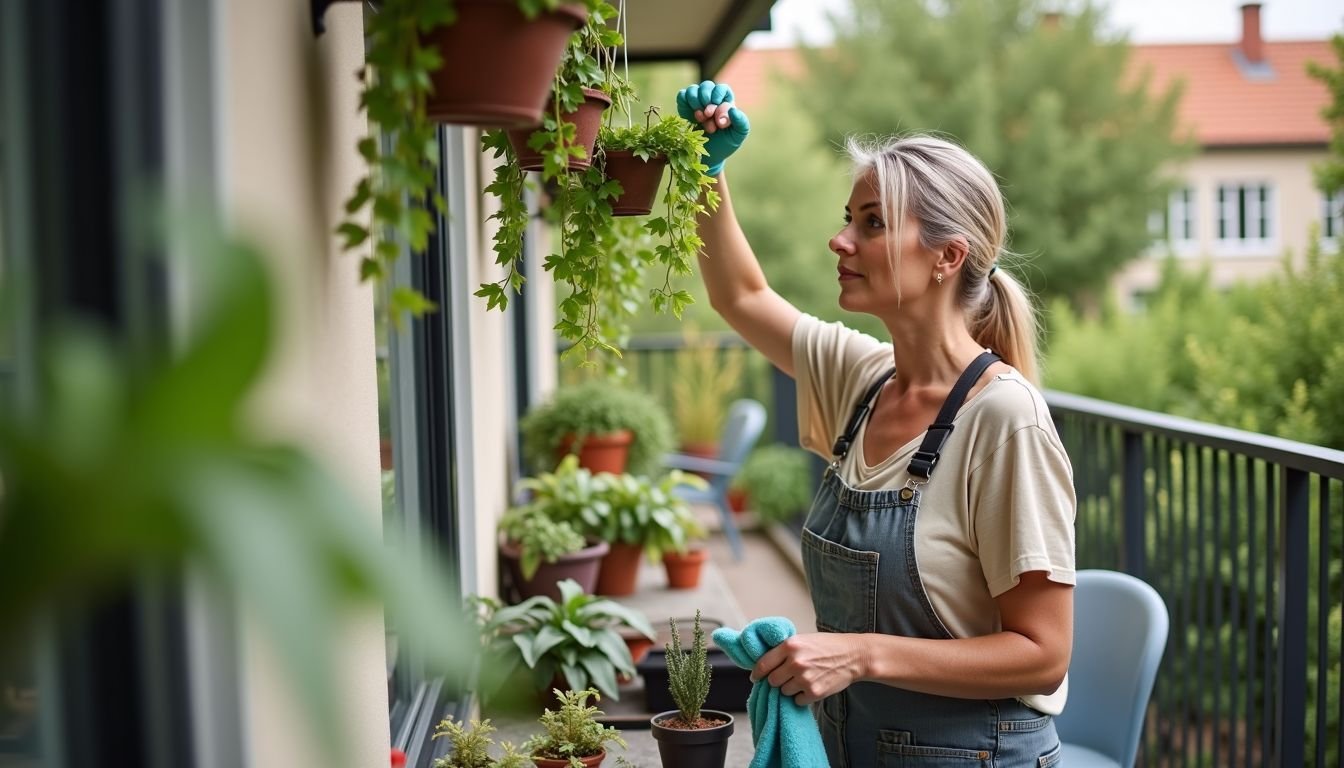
{"points": [[728, 692]]}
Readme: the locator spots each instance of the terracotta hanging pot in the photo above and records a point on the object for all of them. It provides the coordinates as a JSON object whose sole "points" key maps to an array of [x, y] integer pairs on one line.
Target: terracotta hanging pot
{"points": [[581, 566], [601, 453], [683, 571], [620, 570], [498, 66], [640, 180], [587, 120]]}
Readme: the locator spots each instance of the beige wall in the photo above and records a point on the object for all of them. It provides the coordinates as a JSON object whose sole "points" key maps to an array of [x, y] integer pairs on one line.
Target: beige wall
{"points": [[1296, 207], [287, 128]]}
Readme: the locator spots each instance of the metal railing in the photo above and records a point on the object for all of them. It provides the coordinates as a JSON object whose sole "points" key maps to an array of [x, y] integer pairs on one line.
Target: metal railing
{"points": [[1242, 535]]}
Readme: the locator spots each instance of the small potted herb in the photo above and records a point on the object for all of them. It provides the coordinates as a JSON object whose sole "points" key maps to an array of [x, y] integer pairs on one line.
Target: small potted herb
{"points": [[612, 428], [572, 738], [690, 736], [471, 747]]}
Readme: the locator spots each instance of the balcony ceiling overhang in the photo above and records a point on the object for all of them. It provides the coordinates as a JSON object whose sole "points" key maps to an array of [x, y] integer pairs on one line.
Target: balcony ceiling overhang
{"points": [[705, 32]]}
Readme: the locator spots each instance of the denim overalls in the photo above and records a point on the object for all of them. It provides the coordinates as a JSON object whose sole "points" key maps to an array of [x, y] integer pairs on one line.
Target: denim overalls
{"points": [[859, 555]]}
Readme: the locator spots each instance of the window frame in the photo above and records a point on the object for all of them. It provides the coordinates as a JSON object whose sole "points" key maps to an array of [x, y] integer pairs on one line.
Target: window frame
{"points": [[1266, 240]]}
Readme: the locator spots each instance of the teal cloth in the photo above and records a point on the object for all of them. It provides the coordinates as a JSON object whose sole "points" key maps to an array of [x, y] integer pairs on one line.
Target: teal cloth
{"points": [[785, 734]]}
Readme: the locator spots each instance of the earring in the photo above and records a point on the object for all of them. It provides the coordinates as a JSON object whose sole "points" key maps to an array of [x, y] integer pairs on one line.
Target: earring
{"points": [[939, 277]]}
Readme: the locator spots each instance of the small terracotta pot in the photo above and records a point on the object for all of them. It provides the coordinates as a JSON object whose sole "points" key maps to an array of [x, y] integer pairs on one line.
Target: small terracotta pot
{"points": [[589, 762], [581, 566], [640, 180], [498, 66], [683, 571], [601, 453], [587, 119], [620, 570], [737, 500], [638, 645]]}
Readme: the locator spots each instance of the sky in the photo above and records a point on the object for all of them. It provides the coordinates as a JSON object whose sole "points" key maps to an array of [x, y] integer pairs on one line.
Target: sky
{"points": [[1146, 21]]}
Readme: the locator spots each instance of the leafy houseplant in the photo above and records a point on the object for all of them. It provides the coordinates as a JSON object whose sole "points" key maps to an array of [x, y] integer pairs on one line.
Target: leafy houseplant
{"points": [[574, 416], [777, 481], [690, 735], [642, 516], [471, 747], [575, 639], [572, 737], [542, 543], [401, 77]]}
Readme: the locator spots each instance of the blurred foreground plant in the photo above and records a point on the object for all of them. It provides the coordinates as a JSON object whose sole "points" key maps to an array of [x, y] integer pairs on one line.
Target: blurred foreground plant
{"points": [[127, 463]]}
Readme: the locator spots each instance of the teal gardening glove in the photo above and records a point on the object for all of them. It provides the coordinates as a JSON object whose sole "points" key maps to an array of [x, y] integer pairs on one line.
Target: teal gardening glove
{"points": [[724, 141]]}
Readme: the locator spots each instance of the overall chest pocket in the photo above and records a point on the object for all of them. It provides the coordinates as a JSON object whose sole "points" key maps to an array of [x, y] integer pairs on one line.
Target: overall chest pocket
{"points": [[843, 583]]}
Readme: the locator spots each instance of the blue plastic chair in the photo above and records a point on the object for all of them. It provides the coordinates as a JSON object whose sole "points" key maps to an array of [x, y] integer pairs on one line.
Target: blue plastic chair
{"points": [[741, 429], [1120, 632]]}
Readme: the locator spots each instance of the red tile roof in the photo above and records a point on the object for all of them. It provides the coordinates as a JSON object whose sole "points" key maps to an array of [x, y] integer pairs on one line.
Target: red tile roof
{"points": [[1220, 104], [1224, 107]]}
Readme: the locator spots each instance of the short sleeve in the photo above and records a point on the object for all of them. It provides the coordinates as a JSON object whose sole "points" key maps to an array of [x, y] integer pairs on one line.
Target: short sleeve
{"points": [[830, 361], [1023, 508]]}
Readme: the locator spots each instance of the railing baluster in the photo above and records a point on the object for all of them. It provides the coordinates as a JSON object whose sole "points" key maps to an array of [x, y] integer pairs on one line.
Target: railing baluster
{"points": [[1323, 601], [1134, 502], [1221, 677], [1295, 524], [1181, 510], [1251, 602], [1269, 713], [1201, 598]]}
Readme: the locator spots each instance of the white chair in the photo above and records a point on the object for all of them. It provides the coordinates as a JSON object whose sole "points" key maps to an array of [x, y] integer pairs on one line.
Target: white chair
{"points": [[1120, 631]]}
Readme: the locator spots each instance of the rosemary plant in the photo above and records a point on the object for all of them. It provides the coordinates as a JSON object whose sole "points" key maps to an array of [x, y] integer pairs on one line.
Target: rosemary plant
{"points": [[688, 674]]}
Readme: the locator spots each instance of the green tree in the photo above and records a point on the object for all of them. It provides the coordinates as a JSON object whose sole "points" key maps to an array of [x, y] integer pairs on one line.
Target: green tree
{"points": [[1048, 103], [1330, 174]]}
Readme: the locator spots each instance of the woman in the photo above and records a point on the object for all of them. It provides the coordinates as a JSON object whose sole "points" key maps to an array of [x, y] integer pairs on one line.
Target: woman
{"points": [[940, 559]]}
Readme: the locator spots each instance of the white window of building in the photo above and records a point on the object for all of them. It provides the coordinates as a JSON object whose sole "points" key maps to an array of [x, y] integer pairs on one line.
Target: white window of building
{"points": [[1246, 216], [1173, 226], [1332, 218]]}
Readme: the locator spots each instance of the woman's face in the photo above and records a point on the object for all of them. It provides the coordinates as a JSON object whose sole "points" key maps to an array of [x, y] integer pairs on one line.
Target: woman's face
{"points": [[866, 264]]}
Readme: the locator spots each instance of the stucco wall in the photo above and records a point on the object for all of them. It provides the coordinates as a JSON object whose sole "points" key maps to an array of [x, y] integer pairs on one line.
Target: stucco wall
{"points": [[1296, 206], [287, 129]]}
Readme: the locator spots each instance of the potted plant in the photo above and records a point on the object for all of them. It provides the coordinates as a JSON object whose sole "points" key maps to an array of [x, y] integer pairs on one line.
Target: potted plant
{"points": [[690, 736], [541, 550], [684, 565], [572, 737], [424, 62], [777, 481], [705, 379], [471, 747], [642, 516], [572, 642], [612, 428]]}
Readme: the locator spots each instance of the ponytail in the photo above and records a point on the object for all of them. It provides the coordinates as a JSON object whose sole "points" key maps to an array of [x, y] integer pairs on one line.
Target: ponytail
{"points": [[1005, 322]]}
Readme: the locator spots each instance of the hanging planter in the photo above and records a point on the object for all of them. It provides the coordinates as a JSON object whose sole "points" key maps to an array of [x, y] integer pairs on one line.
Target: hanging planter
{"points": [[640, 179], [587, 119], [498, 64]]}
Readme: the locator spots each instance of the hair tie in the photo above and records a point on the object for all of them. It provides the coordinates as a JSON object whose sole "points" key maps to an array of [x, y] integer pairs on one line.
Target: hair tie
{"points": [[992, 269]]}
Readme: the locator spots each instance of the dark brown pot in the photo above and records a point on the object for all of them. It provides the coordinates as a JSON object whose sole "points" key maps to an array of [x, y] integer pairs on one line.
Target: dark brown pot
{"points": [[640, 180], [498, 66], [587, 120], [683, 571], [601, 453], [620, 570], [590, 762], [692, 748], [581, 566]]}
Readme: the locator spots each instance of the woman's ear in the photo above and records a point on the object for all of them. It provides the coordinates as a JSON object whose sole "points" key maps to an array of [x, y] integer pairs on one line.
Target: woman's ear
{"points": [[953, 255]]}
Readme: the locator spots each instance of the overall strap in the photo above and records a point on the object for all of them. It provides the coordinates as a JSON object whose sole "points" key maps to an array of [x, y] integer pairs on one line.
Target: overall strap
{"points": [[927, 456], [846, 438]]}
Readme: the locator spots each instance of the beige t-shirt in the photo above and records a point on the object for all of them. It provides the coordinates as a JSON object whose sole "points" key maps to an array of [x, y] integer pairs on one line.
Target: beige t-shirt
{"points": [[999, 504]]}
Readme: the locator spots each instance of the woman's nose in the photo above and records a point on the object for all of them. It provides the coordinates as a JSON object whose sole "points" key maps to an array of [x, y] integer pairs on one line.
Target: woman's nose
{"points": [[841, 244]]}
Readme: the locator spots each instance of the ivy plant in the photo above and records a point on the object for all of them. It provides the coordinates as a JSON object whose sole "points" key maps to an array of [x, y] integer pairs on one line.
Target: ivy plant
{"points": [[395, 203]]}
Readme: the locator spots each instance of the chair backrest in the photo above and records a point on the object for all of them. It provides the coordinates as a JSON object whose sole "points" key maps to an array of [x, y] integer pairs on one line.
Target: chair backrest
{"points": [[1120, 631], [742, 427]]}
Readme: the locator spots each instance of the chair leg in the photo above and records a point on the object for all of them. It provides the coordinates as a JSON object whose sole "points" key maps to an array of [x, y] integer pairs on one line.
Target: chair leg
{"points": [[729, 526]]}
